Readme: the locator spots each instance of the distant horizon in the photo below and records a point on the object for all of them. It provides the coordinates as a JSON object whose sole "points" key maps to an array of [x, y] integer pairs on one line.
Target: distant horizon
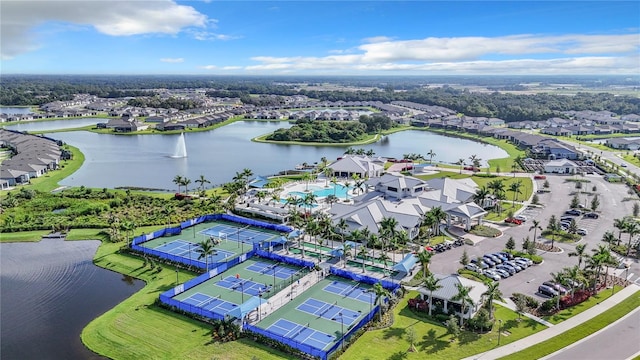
{"points": [[320, 38]]}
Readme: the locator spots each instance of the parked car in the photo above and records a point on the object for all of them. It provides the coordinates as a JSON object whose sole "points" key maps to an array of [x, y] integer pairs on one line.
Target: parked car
{"points": [[503, 273], [575, 212], [489, 261], [523, 264], [481, 264], [528, 261], [547, 291], [513, 221], [493, 258], [514, 265], [521, 218], [492, 275], [539, 177], [507, 268], [582, 232], [506, 254], [472, 267], [557, 287], [500, 256], [592, 215], [566, 218]]}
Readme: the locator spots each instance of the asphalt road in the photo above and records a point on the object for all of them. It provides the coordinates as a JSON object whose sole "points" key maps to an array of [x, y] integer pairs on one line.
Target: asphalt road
{"points": [[612, 205], [606, 344]]}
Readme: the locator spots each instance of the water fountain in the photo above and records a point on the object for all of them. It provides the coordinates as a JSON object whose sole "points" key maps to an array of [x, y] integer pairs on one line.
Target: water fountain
{"points": [[181, 148]]}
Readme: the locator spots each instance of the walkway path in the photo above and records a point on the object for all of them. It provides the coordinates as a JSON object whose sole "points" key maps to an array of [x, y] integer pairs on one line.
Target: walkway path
{"points": [[559, 328]]}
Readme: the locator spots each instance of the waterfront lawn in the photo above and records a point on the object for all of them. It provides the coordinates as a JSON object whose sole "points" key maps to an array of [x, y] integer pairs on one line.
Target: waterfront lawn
{"points": [[577, 309], [138, 329], [23, 236], [431, 339], [50, 180], [579, 332]]}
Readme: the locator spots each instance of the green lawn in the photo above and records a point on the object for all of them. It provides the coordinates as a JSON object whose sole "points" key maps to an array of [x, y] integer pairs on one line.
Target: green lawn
{"points": [[575, 310], [431, 339], [138, 329], [580, 332], [23, 236]]}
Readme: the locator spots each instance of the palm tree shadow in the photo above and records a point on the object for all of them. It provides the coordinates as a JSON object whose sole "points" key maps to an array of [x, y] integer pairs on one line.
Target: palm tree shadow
{"points": [[432, 343], [394, 332], [467, 337], [399, 355]]}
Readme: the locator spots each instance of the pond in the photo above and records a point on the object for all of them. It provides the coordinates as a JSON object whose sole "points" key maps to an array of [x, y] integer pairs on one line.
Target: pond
{"points": [[53, 124], [49, 292], [15, 110], [146, 160]]}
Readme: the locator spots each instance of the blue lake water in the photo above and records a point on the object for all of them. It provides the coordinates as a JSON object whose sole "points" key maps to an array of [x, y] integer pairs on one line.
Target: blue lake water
{"points": [[53, 124], [15, 110], [145, 160]]}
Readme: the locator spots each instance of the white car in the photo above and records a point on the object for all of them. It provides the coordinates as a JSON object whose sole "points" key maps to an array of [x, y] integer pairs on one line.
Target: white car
{"points": [[582, 232], [521, 259], [521, 218], [492, 275]]}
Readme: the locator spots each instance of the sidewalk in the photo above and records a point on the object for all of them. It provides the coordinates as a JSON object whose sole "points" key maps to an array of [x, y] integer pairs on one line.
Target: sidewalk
{"points": [[558, 329]]}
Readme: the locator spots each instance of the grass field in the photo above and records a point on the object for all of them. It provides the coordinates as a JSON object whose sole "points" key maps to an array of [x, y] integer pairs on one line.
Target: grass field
{"points": [[431, 339], [585, 329], [575, 310], [138, 329]]}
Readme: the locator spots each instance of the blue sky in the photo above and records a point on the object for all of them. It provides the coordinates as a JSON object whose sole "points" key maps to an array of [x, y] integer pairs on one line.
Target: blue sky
{"points": [[319, 37]]}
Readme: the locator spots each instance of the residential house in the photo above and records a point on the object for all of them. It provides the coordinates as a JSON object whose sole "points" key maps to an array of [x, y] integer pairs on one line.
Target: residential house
{"points": [[561, 166], [444, 297]]}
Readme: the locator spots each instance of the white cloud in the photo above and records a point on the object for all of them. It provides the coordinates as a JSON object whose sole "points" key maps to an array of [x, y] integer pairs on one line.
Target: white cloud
{"points": [[172, 60], [527, 54], [208, 67], [115, 18], [207, 35]]}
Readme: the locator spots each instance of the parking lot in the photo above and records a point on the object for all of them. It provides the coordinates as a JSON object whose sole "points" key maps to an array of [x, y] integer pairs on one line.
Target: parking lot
{"points": [[555, 202]]}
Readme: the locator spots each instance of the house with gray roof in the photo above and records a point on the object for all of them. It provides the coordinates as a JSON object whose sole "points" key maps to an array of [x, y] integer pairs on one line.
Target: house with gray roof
{"points": [[363, 166], [623, 144]]}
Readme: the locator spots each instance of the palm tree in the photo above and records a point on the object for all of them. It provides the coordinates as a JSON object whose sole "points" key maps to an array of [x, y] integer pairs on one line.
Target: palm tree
{"points": [[438, 215], [515, 187], [464, 298], [632, 229], [535, 227], [559, 277], [312, 229], [481, 194], [553, 227], [388, 229], [431, 154], [362, 253], [431, 283], [128, 226], [380, 292], [424, 257], [383, 257], [601, 257], [346, 253], [202, 180], [580, 252], [492, 293], [461, 163], [205, 249], [575, 274], [327, 172], [609, 237], [178, 181], [621, 225], [342, 225], [186, 182]]}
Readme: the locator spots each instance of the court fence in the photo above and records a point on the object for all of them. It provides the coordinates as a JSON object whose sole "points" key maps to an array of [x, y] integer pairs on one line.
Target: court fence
{"points": [[138, 240], [389, 285], [305, 348], [167, 297]]}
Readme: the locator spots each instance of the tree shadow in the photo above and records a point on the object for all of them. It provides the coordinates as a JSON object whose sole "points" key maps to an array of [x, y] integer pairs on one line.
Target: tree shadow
{"points": [[467, 337], [399, 355], [431, 343], [394, 332]]}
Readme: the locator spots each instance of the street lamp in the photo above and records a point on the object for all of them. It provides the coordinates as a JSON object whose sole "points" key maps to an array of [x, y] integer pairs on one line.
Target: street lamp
{"points": [[370, 300], [176, 275], [242, 291], [341, 328], [274, 277], [499, 330]]}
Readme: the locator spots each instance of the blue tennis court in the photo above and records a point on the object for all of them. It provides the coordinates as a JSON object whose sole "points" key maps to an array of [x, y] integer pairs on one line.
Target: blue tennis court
{"points": [[329, 311], [354, 292], [244, 285], [235, 233], [301, 333], [189, 250], [212, 304], [278, 271]]}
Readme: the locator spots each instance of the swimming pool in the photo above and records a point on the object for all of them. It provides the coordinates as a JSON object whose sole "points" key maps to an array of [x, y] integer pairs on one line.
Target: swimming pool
{"points": [[338, 190]]}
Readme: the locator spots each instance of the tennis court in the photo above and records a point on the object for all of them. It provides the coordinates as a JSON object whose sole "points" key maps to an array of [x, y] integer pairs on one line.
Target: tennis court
{"points": [[239, 233], [279, 271], [210, 303], [189, 250], [301, 333], [318, 318], [238, 284], [354, 292]]}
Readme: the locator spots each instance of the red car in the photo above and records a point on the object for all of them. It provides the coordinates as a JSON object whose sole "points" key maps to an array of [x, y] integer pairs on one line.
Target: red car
{"points": [[539, 177], [513, 221]]}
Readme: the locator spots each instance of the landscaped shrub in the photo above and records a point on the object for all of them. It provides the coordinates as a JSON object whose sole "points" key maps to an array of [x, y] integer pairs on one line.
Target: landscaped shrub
{"points": [[548, 306], [578, 297], [530, 301], [481, 321]]}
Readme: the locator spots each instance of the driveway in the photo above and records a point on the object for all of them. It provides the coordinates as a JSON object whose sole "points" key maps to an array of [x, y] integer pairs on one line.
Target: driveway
{"points": [[612, 205]]}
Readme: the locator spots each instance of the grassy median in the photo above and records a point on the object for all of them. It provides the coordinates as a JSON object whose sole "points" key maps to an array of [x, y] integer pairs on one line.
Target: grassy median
{"points": [[579, 332]]}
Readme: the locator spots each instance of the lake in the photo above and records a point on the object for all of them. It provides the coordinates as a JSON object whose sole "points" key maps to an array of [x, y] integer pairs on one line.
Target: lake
{"points": [[15, 110], [53, 124], [145, 160], [49, 292]]}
